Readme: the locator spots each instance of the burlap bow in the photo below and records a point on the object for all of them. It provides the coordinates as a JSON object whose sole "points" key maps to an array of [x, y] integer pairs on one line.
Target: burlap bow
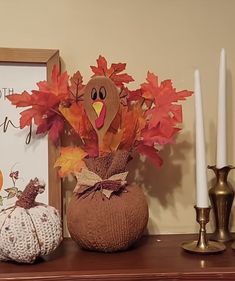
{"points": [[88, 182]]}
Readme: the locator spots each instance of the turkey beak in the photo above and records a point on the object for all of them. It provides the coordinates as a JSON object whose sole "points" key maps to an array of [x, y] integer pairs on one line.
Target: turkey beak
{"points": [[97, 105], [100, 110]]}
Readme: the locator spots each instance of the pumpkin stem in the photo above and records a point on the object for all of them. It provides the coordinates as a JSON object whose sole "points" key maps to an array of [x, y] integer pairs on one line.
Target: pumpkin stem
{"points": [[27, 198]]}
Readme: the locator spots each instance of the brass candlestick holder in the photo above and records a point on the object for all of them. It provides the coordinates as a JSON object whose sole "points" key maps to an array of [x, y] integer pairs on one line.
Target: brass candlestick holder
{"points": [[221, 196], [202, 245]]}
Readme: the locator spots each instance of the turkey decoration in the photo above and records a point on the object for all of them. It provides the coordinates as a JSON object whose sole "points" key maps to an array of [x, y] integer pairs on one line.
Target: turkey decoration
{"points": [[112, 123], [101, 103]]}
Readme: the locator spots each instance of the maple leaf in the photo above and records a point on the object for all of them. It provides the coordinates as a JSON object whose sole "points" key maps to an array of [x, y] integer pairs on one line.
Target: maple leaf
{"points": [[56, 129], [25, 100], [151, 87], [20, 100], [58, 85], [120, 79], [111, 141], [164, 97], [28, 115], [133, 122], [44, 101], [158, 135], [123, 95], [91, 144], [43, 104], [162, 115], [70, 160], [151, 153], [101, 69], [53, 124], [135, 95], [165, 93], [113, 72], [77, 118], [76, 87], [176, 111]]}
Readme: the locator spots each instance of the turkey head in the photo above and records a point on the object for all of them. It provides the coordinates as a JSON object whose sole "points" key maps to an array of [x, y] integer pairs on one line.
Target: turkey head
{"points": [[101, 103]]}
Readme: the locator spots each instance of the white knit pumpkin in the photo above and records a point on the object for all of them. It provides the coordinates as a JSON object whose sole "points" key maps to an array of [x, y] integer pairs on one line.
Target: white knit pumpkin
{"points": [[30, 231]]}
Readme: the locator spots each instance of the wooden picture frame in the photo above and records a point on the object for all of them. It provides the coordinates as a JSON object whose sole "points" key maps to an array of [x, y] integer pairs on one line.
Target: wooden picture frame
{"points": [[48, 58]]}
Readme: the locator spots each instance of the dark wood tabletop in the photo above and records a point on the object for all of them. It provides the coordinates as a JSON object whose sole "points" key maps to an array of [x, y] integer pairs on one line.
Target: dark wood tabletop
{"points": [[154, 258]]}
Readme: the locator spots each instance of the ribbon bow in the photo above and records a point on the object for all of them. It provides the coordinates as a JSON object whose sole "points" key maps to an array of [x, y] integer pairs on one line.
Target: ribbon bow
{"points": [[91, 182]]}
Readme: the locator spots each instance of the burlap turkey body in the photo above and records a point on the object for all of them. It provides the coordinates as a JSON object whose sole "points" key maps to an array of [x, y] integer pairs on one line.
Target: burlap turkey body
{"points": [[98, 223]]}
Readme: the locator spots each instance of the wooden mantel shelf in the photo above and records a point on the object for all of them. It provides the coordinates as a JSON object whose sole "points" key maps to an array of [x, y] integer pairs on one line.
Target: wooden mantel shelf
{"points": [[155, 258]]}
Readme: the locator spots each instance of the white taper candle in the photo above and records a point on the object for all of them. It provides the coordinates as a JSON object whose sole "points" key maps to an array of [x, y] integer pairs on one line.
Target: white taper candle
{"points": [[202, 200], [221, 118]]}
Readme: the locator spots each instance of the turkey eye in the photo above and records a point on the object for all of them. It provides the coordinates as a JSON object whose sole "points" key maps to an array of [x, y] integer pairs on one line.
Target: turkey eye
{"points": [[102, 93], [94, 94]]}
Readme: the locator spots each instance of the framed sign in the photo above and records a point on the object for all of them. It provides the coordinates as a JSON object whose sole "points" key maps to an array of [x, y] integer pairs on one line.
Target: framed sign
{"points": [[24, 155]]}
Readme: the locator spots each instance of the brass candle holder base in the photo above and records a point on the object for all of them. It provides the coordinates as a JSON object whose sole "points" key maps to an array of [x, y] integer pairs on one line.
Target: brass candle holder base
{"points": [[212, 247], [202, 245], [221, 196]]}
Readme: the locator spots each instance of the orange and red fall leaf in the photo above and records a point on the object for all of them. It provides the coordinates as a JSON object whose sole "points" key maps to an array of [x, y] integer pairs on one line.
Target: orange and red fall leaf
{"points": [[149, 116], [114, 72]]}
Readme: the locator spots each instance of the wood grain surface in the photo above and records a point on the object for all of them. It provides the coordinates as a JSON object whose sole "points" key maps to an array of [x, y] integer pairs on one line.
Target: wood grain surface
{"points": [[154, 258]]}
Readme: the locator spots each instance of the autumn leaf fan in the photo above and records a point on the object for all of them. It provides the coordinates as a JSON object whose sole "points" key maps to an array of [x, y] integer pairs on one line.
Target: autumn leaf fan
{"points": [[110, 122]]}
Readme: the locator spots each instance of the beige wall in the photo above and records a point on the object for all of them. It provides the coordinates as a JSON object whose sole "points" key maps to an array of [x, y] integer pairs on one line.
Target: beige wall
{"points": [[168, 37]]}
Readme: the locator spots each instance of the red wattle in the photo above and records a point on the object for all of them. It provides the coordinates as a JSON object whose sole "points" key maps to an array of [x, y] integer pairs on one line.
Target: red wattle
{"points": [[99, 122]]}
